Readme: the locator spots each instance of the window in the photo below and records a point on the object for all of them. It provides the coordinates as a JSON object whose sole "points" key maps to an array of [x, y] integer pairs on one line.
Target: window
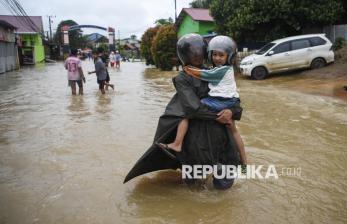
{"points": [[316, 41], [283, 47], [265, 48], [300, 44]]}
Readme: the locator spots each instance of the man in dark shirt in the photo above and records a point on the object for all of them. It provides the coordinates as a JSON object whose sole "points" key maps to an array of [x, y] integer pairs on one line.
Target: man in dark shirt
{"points": [[101, 71]]}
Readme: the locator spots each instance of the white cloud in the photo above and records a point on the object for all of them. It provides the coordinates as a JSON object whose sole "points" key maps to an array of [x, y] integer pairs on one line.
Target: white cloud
{"points": [[127, 16]]}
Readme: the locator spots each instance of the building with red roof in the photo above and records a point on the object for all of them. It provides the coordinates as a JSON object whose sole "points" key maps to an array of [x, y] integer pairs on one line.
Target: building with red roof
{"points": [[29, 31], [195, 20]]}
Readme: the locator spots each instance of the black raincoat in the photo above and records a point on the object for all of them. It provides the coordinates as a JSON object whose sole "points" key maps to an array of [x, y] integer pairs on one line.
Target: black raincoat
{"points": [[207, 142]]}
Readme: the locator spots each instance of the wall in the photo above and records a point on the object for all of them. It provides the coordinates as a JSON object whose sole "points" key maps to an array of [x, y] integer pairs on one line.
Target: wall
{"points": [[34, 41], [206, 27], [335, 31], [188, 25], [8, 51]]}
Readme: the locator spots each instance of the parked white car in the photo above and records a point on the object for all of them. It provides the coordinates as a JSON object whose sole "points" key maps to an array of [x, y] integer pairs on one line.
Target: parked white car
{"points": [[304, 51]]}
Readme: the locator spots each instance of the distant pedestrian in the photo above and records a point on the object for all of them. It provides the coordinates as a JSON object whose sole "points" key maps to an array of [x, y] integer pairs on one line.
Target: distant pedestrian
{"points": [[105, 58], [118, 58], [75, 73], [101, 71], [112, 59], [89, 55]]}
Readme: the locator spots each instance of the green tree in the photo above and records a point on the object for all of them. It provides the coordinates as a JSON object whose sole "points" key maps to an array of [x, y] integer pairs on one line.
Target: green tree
{"points": [[265, 20], [160, 22], [204, 4], [146, 44], [75, 36], [164, 47]]}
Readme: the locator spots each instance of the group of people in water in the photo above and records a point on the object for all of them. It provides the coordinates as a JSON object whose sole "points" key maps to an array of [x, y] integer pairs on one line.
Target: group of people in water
{"points": [[198, 125], [101, 60]]}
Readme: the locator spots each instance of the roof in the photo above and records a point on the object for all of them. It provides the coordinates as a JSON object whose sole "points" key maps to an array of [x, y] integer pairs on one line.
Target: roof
{"points": [[298, 36], [6, 24], [196, 14], [22, 24], [94, 37], [131, 46]]}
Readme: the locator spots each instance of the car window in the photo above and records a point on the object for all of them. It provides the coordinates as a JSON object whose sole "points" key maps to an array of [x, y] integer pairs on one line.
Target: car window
{"points": [[300, 44], [264, 49], [316, 41], [283, 47]]}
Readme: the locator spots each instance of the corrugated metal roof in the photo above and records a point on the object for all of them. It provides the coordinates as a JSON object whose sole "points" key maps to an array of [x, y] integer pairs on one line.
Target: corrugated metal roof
{"points": [[6, 24], [199, 14], [195, 14], [22, 25]]}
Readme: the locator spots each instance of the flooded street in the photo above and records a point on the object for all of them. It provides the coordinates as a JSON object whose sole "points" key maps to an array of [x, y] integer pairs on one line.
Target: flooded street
{"points": [[63, 158]]}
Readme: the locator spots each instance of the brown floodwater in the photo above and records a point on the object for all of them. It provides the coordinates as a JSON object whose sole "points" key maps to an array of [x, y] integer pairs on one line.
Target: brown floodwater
{"points": [[63, 158]]}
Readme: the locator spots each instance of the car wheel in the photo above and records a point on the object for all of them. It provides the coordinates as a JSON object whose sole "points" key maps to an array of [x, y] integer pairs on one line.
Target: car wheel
{"points": [[317, 63], [259, 73]]}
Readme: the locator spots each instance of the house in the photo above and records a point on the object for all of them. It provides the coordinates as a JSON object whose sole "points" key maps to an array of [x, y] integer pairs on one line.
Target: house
{"points": [[194, 20], [8, 47], [130, 47], [29, 30], [96, 39]]}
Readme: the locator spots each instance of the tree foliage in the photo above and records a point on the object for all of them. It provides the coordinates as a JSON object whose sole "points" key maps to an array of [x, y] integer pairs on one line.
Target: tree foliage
{"points": [[75, 37], [164, 47], [264, 20], [160, 22], [204, 4], [146, 44]]}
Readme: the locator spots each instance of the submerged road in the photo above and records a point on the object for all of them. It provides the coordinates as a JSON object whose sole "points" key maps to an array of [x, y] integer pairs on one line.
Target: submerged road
{"points": [[63, 158]]}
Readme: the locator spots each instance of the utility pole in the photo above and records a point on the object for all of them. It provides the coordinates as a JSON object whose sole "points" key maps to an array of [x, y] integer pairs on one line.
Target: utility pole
{"points": [[50, 27], [175, 12]]}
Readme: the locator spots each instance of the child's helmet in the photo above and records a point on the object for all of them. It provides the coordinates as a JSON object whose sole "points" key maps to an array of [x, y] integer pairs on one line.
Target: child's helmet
{"points": [[191, 47], [222, 43]]}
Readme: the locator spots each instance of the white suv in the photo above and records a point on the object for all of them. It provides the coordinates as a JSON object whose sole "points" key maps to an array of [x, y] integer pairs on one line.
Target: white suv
{"points": [[304, 51]]}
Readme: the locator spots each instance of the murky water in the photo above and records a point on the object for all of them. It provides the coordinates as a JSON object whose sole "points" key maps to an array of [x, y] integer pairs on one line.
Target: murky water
{"points": [[63, 158]]}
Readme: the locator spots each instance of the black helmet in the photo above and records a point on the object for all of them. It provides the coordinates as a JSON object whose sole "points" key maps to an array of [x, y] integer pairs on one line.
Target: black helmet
{"points": [[222, 43], [191, 49]]}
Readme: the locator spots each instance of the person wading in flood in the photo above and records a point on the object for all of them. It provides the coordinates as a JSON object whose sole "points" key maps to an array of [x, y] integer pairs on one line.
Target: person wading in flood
{"points": [[101, 72], [74, 72]]}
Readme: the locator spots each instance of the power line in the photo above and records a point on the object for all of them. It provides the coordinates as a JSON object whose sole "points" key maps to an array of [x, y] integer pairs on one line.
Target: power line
{"points": [[17, 10]]}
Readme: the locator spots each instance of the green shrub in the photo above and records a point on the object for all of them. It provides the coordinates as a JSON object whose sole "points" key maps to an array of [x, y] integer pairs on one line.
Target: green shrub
{"points": [[339, 43], [164, 47], [146, 44]]}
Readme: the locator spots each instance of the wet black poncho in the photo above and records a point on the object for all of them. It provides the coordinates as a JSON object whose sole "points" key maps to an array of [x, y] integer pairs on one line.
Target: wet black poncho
{"points": [[206, 142]]}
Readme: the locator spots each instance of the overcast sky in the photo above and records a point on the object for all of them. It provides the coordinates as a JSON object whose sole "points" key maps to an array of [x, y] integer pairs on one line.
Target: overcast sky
{"points": [[127, 16]]}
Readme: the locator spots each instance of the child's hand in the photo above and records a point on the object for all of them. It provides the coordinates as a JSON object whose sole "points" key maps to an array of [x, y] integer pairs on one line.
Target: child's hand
{"points": [[192, 71], [224, 116]]}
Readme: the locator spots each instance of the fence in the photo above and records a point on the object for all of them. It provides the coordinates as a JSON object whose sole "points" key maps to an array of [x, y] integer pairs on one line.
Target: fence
{"points": [[335, 31]]}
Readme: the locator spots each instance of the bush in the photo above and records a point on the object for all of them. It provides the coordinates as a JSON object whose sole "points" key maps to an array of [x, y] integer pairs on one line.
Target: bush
{"points": [[339, 43], [146, 44], [164, 47]]}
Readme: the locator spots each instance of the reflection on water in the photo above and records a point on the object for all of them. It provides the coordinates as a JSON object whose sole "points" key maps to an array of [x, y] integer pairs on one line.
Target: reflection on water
{"points": [[63, 158]]}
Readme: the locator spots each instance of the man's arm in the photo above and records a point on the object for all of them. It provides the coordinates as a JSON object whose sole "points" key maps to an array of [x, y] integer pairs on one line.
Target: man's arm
{"points": [[81, 74]]}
